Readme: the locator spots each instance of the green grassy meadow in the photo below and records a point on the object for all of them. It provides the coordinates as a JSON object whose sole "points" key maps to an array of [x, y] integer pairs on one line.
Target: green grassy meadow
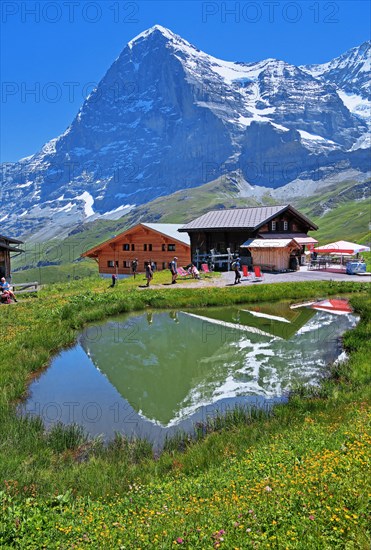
{"points": [[296, 478]]}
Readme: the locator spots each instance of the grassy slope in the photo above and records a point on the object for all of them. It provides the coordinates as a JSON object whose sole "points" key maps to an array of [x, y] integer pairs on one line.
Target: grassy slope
{"points": [[342, 212], [295, 479], [347, 219]]}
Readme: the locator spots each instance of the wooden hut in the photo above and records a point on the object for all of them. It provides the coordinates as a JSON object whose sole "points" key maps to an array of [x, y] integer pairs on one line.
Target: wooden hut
{"points": [[6, 247], [273, 254], [158, 242], [229, 229]]}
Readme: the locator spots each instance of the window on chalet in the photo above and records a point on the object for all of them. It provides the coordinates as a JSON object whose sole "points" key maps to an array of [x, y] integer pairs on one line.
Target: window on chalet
{"points": [[145, 248], [274, 226], [164, 248], [125, 264], [171, 247], [285, 226], [164, 265], [133, 247], [126, 246], [110, 263], [150, 247]]}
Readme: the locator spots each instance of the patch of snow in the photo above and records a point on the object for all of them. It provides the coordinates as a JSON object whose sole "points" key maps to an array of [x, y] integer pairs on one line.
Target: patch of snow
{"points": [[166, 32], [279, 127], [66, 208], [89, 201], [50, 147], [314, 137], [112, 214], [23, 185], [25, 159], [356, 105], [363, 142]]}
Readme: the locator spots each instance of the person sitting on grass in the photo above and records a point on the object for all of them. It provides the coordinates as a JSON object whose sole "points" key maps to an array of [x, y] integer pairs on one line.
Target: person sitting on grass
{"points": [[5, 287], [194, 272], [5, 297]]}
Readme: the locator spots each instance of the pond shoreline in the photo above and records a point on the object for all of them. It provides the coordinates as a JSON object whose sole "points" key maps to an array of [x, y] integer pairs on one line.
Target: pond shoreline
{"points": [[319, 433]]}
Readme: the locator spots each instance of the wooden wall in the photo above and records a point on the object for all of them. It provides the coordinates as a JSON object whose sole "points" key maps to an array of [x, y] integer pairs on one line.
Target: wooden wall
{"points": [[4, 263], [277, 257], [137, 239]]}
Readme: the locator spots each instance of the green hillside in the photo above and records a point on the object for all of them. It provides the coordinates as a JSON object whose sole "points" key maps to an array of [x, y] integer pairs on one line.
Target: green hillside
{"points": [[342, 211]]}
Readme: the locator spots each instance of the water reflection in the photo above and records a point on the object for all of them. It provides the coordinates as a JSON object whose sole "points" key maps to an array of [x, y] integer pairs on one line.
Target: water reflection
{"points": [[153, 373]]}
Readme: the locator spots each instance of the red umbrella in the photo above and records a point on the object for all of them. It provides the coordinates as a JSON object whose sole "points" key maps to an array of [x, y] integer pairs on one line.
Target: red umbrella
{"points": [[342, 247], [335, 305]]}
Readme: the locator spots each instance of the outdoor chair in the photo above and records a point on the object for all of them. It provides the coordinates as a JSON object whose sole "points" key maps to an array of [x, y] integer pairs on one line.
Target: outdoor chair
{"points": [[182, 272], [205, 268], [245, 271], [258, 273]]}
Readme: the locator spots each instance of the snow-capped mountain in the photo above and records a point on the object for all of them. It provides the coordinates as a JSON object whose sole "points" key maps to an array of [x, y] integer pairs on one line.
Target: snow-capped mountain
{"points": [[350, 73], [167, 116]]}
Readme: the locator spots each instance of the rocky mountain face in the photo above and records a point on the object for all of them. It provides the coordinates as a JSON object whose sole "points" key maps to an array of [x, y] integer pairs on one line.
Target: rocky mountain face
{"points": [[167, 116], [350, 72]]}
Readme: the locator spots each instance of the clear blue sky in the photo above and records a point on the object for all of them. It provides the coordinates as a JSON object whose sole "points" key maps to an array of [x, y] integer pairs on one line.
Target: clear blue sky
{"points": [[47, 45]]}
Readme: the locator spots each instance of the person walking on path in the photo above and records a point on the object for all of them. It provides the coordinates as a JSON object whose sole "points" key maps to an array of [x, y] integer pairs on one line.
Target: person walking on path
{"points": [[134, 266], [149, 272], [114, 279], [236, 266], [173, 269]]}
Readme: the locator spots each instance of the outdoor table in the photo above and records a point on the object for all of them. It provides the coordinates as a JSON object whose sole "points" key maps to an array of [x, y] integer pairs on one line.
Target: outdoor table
{"points": [[318, 264]]}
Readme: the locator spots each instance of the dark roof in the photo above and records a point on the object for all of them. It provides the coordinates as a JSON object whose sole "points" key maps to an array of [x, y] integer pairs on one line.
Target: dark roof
{"points": [[241, 218], [10, 240], [9, 248]]}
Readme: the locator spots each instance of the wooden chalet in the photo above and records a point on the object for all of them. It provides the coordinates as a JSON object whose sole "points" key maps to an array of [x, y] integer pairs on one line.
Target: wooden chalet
{"points": [[158, 242], [264, 235], [6, 247]]}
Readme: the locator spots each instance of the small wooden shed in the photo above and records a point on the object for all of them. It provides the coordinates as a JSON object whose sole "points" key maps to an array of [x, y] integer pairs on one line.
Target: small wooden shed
{"points": [[273, 254], [6, 247]]}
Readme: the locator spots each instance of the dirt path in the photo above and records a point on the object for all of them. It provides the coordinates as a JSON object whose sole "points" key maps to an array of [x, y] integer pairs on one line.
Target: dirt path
{"points": [[227, 279]]}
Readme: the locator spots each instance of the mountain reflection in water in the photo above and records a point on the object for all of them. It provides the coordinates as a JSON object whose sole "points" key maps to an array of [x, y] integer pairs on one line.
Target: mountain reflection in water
{"points": [[166, 370]]}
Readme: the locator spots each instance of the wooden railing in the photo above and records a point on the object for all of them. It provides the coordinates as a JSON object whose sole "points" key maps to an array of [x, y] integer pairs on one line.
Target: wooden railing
{"points": [[22, 288]]}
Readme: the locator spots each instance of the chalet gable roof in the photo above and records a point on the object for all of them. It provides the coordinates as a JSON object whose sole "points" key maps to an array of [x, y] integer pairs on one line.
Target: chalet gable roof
{"points": [[169, 230], [242, 218]]}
